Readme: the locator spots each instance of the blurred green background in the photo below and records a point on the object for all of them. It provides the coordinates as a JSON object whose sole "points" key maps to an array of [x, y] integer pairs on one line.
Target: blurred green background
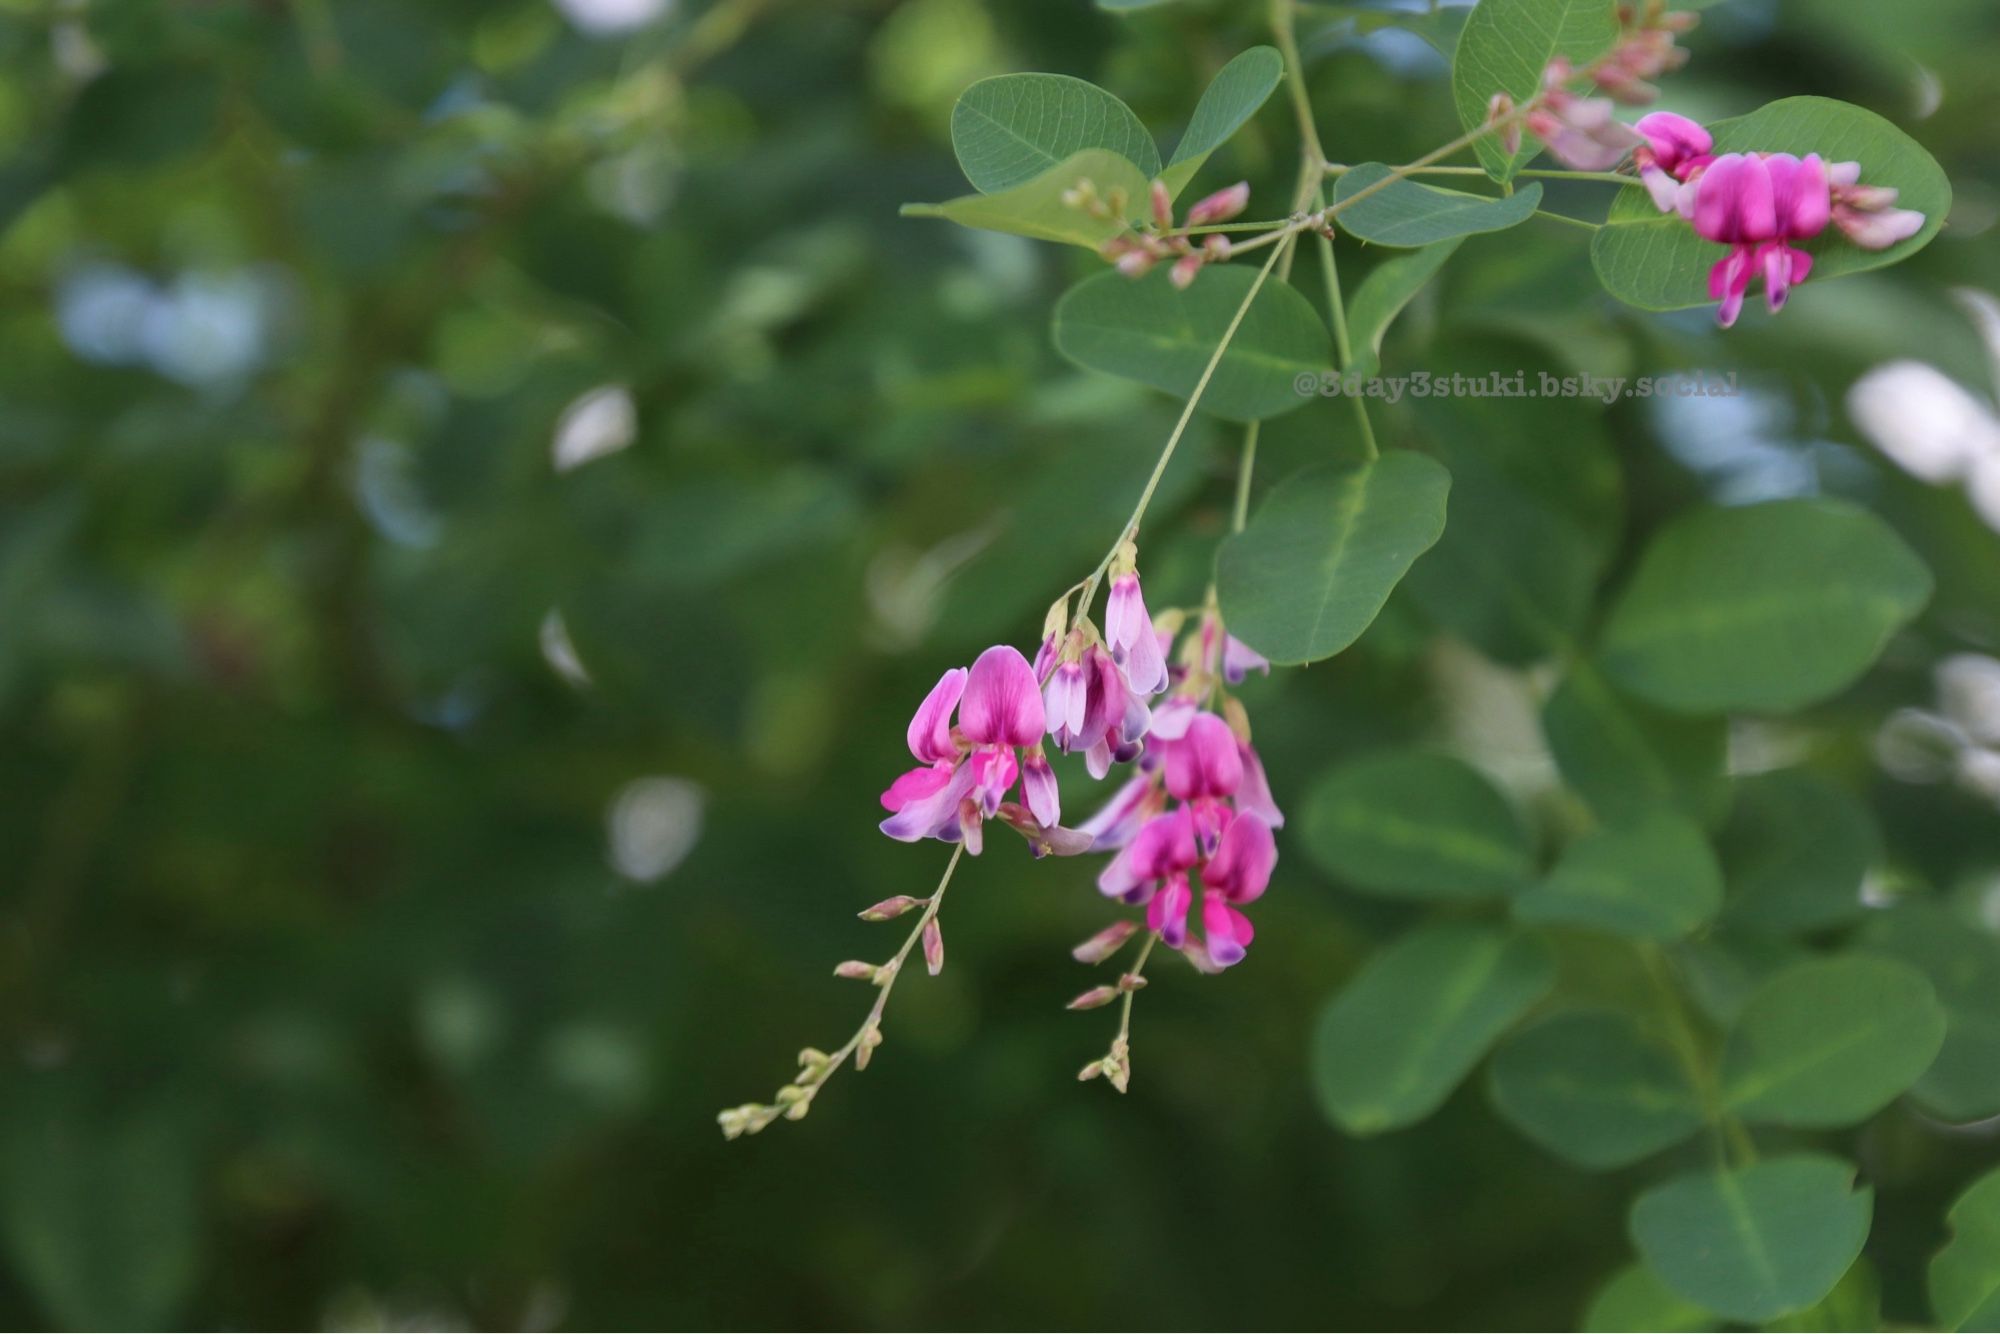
{"points": [[482, 486]]}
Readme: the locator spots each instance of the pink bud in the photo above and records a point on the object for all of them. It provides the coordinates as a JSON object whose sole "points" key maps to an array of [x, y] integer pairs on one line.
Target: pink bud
{"points": [[1131, 982], [1221, 206], [1135, 263], [1105, 943], [1163, 206], [890, 907], [1094, 998], [1215, 246], [857, 971], [933, 947], [1499, 107], [1184, 270]]}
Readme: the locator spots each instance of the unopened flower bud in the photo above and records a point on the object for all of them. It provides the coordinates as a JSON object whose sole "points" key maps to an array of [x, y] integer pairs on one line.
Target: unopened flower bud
{"points": [[1131, 982], [1499, 107], [812, 1060], [890, 907], [933, 947], [1094, 998], [1091, 1071], [1215, 246], [1221, 206], [1237, 717], [1184, 270], [796, 1111], [1135, 263], [1081, 195], [1105, 943], [1163, 206], [856, 970], [871, 1038], [790, 1094]]}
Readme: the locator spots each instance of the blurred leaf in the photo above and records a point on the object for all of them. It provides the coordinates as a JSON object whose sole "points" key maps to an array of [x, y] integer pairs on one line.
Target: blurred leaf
{"points": [[1962, 960], [1148, 330], [1855, 1304], [1232, 97], [1324, 551], [1659, 262], [1012, 128], [1593, 1090], [1625, 757], [1755, 1243], [101, 1218], [1765, 607], [1036, 207], [1633, 1301], [1795, 851], [1405, 213], [1415, 825], [1831, 1042], [1653, 878], [1965, 1275], [1394, 1044], [1505, 46], [1389, 286]]}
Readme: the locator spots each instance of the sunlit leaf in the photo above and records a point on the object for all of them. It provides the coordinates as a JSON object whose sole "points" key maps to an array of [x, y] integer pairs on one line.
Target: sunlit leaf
{"points": [[1394, 1044], [1037, 208], [1012, 128], [1633, 1301], [1325, 550], [1755, 1243]]}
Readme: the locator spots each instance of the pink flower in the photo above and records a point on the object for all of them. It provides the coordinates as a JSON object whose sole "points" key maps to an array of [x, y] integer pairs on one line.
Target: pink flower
{"points": [[1129, 632], [966, 771], [1864, 213], [1239, 660], [1676, 151], [1757, 204], [1204, 762], [1253, 795], [1583, 132]]}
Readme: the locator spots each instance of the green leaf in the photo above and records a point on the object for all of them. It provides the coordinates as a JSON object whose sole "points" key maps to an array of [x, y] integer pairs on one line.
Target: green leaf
{"points": [[1962, 960], [1756, 1243], [1625, 757], [1325, 550], [1147, 330], [1854, 1305], [1965, 1275], [1389, 286], [1632, 1301], [1505, 47], [1232, 97], [1659, 262], [1593, 1090], [101, 1220], [1415, 825], [1830, 1042], [1405, 213], [1651, 879], [1392, 1046], [1012, 128], [1765, 607], [1794, 852], [1036, 208]]}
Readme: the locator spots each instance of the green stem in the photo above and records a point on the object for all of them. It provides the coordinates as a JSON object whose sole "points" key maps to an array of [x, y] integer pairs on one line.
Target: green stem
{"points": [[1343, 342], [1534, 174], [1245, 467], [1732, 1139], [1569, 221]]}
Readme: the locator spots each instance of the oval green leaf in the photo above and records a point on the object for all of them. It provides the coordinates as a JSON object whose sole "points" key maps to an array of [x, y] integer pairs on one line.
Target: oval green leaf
{"points": [[1232, 97], [1962, 960], [1965, 1275], [1323, 553], [1765, 607], [1625, 757], [1504, 47], [1011, 128], [1381, 297], [1392, 1046], [1794, 852], [1830, 1042], [1148, 330], [1410, 824], [1593, 1090], [1036, 208], [1659, 263], [1755, 1244], [1632, 1301], [1405, 213], [1651, 879]]}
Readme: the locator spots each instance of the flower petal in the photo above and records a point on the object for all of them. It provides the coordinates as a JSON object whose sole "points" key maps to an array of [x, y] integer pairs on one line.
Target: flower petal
{"points": [[1003, 703], [930, 730]]}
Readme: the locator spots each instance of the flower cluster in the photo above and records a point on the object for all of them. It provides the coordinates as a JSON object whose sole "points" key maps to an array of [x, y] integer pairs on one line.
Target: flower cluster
{"points": [[1136, 252], [1758, 204]]}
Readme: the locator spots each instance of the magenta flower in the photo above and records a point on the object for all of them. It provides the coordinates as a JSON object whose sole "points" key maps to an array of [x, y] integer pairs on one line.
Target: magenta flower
{"points": [[1757, 204], [965, 771], [1675, 153], [1128, 629]]}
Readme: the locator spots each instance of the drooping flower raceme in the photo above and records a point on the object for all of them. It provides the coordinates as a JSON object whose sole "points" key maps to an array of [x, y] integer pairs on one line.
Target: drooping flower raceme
{"points": [[965, 771]]}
